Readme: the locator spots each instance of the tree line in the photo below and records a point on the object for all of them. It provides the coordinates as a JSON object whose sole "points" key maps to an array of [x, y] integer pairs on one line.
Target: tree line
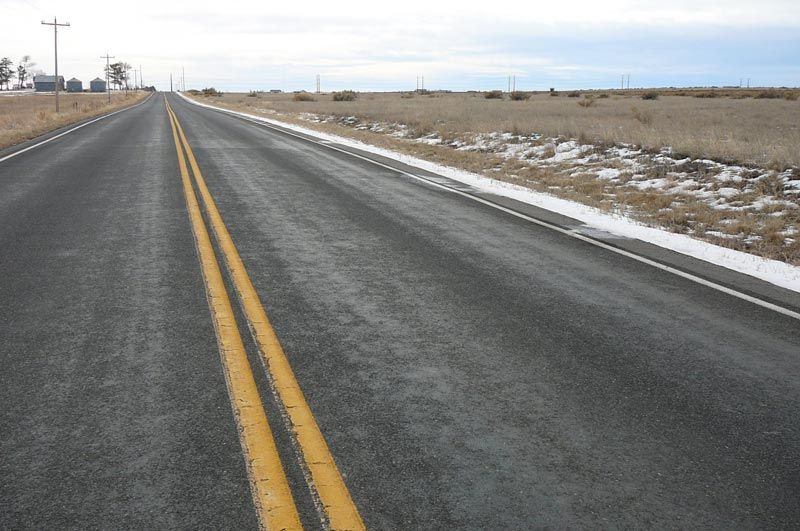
{"points": [[21, 72]]}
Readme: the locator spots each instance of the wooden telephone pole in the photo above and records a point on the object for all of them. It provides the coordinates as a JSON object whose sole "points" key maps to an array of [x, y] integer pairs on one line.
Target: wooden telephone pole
{"points": [[55, 25], [108, 71]]}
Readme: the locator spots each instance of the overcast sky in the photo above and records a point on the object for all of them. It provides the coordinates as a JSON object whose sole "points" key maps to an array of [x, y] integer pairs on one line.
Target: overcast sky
{"points": [[366, 45]]}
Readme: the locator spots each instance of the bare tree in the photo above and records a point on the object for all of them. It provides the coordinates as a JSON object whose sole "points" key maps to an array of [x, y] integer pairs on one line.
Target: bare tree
{"points": [[23, 69], [126, 69]]}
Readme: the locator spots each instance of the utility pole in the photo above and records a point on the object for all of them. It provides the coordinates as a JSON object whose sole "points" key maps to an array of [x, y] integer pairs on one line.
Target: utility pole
{"points": [[55, 25], [318, 85], [170, 81], [108, 70], [622, 84], [183, 79], [141, 81], [423, 83], [629, 81], [135, 80], [514, 83]]}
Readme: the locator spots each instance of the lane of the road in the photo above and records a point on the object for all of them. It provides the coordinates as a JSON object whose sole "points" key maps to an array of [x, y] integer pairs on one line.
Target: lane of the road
{"points": [[466, 368]]}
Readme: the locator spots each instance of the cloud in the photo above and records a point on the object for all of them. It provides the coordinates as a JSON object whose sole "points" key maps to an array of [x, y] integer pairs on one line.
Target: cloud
{"points": [[240, 44]]}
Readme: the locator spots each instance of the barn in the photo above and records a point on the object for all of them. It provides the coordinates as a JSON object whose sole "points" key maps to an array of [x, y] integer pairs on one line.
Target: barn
{"points": [[44, 83], [97, 85], [74, 85]]}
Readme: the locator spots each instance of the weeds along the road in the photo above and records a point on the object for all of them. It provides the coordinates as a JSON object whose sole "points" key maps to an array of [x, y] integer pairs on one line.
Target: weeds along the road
{"points": [[750, 130], [25, 116], [722, 166]]}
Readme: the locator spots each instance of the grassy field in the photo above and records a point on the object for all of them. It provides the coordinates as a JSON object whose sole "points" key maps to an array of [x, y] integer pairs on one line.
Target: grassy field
{"points": [[723, 166], [741, 129], [27, 116]]}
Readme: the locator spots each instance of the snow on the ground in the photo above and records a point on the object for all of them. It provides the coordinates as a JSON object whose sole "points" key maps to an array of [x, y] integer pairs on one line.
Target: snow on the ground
{"points": [[568, 157], [22, 92], [773, 271]]}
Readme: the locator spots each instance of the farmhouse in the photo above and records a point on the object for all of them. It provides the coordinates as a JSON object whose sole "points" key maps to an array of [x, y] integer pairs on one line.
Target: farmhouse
{"points": [[74, 85], [44, 83]]}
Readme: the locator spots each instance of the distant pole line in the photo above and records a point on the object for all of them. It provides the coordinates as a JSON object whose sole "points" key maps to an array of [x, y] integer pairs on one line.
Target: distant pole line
{"points": [[55, 25], [108, 71]]}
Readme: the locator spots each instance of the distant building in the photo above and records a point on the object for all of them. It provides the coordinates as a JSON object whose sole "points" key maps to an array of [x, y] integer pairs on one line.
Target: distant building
{"points": [[44, 83], [276, 91], [74, 85], [97, 85]]}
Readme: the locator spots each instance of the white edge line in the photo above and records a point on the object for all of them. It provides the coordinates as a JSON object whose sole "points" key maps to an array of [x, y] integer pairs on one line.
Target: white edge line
{"points": [[571, 234], [21, 151]]}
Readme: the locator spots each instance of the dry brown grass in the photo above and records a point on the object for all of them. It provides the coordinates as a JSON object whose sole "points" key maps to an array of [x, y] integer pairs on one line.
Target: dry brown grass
{"points": [[764, 132], [23, 117]]}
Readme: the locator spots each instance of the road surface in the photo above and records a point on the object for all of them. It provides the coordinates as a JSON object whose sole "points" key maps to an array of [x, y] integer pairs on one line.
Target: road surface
{"points": [[466, 368]]}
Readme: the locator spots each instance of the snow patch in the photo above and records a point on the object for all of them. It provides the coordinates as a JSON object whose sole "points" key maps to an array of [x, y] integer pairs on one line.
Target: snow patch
{"points": [[608, 173]]}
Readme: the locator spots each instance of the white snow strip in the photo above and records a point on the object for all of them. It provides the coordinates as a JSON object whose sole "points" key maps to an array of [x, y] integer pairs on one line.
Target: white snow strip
{"points": [[778, 273]]}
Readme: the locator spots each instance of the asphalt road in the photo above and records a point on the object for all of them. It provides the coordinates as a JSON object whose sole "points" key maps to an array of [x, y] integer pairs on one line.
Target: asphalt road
{"points": [[468, 369]]}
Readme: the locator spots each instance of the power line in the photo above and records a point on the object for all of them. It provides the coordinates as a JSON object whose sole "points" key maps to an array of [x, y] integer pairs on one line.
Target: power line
{"points": [[55, 25], [108, 71]]}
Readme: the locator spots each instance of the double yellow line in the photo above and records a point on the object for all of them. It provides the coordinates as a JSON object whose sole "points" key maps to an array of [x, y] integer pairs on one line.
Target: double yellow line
{"points": [[271, 493]]}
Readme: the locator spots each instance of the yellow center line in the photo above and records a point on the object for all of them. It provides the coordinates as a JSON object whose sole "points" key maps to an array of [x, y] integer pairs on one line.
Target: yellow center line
{"points": [[271, 494], [325, 478]]}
